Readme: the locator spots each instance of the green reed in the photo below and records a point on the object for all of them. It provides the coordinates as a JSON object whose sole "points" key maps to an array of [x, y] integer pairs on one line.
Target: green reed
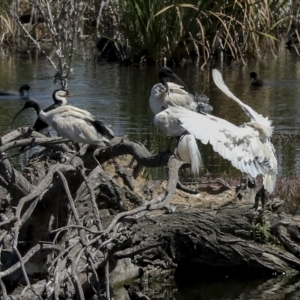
{"points": [[173, 29], [7, 28], [155, 31]]}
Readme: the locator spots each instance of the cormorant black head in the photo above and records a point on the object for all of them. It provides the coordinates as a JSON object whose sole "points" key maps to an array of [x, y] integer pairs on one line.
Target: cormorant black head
{"points": [[164, 73], [28, 104], [24, 87], [59, 96]]}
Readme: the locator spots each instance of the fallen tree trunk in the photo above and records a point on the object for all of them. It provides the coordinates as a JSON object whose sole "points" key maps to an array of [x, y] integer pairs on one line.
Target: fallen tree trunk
{"points": [[79, 227]]}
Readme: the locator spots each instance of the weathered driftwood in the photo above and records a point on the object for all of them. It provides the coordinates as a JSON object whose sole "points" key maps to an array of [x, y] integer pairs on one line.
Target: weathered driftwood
{"points": [[74, 228]]}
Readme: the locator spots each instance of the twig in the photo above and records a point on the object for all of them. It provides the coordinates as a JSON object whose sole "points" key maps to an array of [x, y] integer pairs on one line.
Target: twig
{"points": [[92, 265], [13, 220], [33, 142], [75, 280], [122, 146], [107, 275], [16, 18], [124, 253], [93, 200], [71, 202], [36, 193], [56, 281], [75, 226], [183, 188], [3, 288], [63, 253], [25, 259]]}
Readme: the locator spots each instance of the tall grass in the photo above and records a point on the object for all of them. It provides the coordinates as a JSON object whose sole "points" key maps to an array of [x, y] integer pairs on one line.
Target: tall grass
{"points": [[155, 31], [6, 26], [174, 29]]}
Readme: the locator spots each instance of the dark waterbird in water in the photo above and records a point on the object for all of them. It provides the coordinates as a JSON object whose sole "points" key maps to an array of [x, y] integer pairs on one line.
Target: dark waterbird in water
{"points": [[72, 123], [255, 81], [21, 92], [292, 40]]}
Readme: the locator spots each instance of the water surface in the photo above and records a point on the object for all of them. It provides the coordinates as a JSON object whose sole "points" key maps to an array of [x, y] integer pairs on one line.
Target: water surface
{"points": [[119, 96]]}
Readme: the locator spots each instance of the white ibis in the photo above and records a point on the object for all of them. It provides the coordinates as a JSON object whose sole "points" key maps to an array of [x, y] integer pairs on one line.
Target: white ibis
{"points": [[72, 123], [247, 147], [255, 81], [164, 93]]}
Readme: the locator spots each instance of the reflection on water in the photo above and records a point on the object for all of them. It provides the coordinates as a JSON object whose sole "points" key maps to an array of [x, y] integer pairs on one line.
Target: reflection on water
{"points": [[119, 96], [279, 288], [283, 287]]}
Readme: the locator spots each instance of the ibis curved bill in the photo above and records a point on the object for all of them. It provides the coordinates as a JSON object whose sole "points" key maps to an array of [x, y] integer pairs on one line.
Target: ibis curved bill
{"points": [[72, 123], [247, 147]]}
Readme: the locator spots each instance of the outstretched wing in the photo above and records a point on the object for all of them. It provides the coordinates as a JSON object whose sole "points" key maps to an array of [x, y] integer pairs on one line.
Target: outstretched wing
{"points": [[240, 145], [251, 113]]}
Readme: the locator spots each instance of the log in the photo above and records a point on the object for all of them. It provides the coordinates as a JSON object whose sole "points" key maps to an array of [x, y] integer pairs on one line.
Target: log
{"points": [[78, 228]]}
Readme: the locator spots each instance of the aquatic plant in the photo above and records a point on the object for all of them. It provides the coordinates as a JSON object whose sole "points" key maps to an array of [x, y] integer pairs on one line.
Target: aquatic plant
{"points": [[6, 26], [155, 31], [172, 30]]}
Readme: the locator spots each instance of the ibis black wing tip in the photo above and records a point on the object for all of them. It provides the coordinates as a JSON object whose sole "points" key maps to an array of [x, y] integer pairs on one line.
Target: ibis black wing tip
{"points": [[104, 130]]}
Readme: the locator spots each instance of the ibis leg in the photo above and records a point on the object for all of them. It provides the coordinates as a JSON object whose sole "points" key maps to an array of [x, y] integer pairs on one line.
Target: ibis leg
{"points": [[260, 195]]}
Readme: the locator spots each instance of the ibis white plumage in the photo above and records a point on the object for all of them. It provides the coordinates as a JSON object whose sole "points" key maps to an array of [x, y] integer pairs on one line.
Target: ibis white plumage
{"points": [[164, 93], [72, 123], [247, 147], [187, 150], [168, 124]]}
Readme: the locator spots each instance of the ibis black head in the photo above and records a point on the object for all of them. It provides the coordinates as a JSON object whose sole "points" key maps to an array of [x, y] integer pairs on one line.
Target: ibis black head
{"points": [[59, 96], [23, 88], [28, 104], [164, 73]]}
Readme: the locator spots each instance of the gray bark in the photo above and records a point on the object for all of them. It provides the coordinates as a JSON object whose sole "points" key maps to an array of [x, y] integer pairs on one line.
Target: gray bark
{"points": [[78, 227]]}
